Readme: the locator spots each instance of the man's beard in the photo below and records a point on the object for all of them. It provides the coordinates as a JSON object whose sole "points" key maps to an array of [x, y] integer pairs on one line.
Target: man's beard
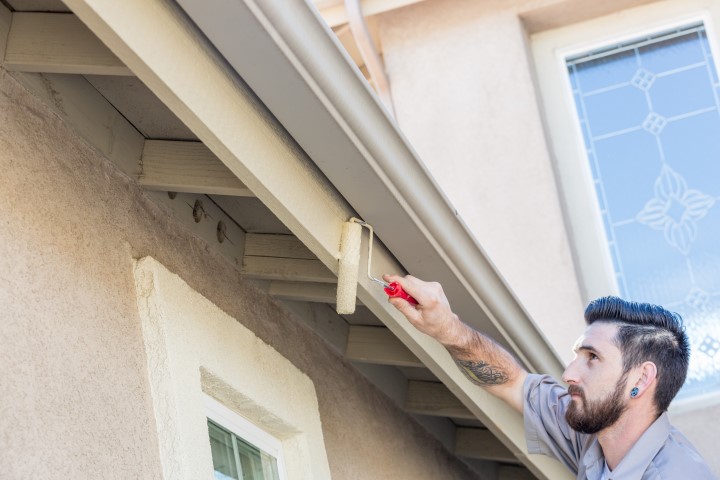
{"points": [[595, 415]]}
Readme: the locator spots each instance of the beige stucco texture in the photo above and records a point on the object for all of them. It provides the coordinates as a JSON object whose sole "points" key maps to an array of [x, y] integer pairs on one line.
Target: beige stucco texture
{"points": [[464, 95], [76, 399]]}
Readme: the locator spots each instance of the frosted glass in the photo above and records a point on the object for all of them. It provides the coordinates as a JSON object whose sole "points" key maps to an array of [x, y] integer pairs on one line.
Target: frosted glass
{"points": [[650, 117]]}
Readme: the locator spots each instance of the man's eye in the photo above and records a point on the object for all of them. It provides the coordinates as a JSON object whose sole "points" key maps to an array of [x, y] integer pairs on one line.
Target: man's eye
{"points": [[593, 356]]}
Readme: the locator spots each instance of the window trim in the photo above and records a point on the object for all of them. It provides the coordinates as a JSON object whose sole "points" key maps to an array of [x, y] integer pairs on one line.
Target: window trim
{"points": [[246, 430], [550, 49], [194, 349]]}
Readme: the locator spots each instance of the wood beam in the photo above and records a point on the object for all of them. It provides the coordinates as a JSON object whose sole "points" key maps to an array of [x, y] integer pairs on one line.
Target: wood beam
{"points": [[379, 346], [334, 12], [303, 291], [290, 269], [57, 43], [282, 257], [280, 246], [187, 167], [481, 444], [434, 398]]}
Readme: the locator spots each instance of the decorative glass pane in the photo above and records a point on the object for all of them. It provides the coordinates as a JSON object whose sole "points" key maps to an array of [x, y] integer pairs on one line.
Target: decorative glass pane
{"points": [[234, 458], [650, 117]]}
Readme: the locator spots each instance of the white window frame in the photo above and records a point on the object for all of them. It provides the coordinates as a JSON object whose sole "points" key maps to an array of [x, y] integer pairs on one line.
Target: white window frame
{"points": [[194, 351], [246, 430], [550, 50]]}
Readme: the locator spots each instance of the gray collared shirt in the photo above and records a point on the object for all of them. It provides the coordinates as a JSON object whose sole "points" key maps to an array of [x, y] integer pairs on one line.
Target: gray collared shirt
{"points": [[662, 452]]}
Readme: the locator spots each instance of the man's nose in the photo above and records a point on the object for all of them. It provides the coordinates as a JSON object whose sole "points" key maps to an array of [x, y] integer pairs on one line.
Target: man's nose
{"points": [[570, 374]]}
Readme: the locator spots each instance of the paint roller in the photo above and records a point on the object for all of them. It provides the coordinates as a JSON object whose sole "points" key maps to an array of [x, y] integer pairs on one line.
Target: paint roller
{"points": [[349, 264]]}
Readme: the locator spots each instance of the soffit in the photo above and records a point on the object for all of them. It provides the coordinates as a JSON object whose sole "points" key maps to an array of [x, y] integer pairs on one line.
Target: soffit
{"points": [[141, 107]]}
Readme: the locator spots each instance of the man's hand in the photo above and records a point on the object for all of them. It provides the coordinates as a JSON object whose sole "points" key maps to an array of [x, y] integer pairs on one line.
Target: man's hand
{"points": [[482, 360], [432, 315]]}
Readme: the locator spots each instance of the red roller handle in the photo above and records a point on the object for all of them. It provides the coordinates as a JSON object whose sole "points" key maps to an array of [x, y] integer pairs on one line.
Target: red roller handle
{"points": [[395, 290]]}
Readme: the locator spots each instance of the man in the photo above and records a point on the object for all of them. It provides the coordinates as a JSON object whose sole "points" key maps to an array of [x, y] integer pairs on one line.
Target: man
{"points": [[611, 421]]}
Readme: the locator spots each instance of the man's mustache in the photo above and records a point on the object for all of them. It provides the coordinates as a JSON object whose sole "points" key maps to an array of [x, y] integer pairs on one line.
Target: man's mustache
{"points": [[575, 390]]}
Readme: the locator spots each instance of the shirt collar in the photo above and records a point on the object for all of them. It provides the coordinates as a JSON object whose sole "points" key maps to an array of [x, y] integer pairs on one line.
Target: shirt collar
{"points": [[637, 460]]}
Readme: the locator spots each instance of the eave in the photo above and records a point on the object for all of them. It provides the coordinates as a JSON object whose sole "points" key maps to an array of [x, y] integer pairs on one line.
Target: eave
{"points": [[318, 96], [273, 69]]}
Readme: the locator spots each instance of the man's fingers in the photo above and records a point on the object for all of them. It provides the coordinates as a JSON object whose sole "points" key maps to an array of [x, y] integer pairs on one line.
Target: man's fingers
{"points": [[409, 283], [406, 309], [392, 278]]}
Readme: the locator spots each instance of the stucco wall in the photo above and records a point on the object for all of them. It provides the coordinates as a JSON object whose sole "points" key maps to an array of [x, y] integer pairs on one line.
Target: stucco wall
{"points": [[463, 91], [75, 399]]}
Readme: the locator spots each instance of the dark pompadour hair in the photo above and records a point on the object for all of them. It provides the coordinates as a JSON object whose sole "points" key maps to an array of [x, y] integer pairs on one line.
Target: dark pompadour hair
{"points": [[647, 332]]}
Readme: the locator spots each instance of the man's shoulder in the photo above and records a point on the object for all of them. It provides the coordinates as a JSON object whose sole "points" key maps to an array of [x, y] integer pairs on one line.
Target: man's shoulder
{"points": [[678, 458]]}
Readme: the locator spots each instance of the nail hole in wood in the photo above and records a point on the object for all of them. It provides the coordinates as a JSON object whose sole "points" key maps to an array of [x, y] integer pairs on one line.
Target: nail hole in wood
{"points": [[198, 211], [221, 231]]}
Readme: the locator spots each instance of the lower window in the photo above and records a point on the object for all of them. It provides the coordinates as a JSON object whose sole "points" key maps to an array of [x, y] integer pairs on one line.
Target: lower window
{"points": [[240, 450]]}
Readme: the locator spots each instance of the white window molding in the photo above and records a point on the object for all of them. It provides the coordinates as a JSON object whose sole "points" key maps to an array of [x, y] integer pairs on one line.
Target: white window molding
{"points": [[195, 349], [246, 430], [550, 50]]}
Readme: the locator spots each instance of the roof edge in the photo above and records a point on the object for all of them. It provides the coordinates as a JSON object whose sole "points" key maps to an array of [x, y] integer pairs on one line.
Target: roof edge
{"points": [[309, 45]]}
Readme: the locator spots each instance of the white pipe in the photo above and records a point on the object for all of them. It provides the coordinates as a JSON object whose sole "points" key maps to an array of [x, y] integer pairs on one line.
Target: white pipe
{"points": [[368, 52]]}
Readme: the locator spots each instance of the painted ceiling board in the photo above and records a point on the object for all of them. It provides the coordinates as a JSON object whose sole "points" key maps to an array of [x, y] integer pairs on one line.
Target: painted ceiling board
{"points": [[38, 6], [362, 315], [251, 214], [420, 374], [141, 107], [466, 422]]}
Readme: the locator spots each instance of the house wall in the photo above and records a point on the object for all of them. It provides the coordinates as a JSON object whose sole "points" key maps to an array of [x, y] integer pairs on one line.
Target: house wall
{"points": [[73, 376], [462, 84]]}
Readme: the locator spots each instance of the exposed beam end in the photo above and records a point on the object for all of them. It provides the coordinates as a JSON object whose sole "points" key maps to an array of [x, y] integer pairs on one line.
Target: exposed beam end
{"points": [[481, 444], [378, 345], [290, 269], [303, 291], [187, 167], [434, 399], [57, 43]]}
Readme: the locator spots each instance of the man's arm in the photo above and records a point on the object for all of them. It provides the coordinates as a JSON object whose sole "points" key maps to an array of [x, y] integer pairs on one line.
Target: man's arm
{"points": [[482, 360]]}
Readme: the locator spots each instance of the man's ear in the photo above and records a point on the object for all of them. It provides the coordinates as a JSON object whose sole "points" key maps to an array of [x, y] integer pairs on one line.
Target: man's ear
{"points": [[647, 374]]}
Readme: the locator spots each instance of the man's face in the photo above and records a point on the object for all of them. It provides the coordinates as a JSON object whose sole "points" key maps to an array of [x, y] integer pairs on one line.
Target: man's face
{"points": [[596, 384]]}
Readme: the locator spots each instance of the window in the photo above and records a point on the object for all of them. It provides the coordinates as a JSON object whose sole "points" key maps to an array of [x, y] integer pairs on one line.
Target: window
{"points": [[239, 449], [650, 118], [641, 177]]}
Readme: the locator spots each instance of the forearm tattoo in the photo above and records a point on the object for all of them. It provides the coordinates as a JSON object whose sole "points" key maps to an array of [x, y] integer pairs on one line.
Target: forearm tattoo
{"points": [[482, 373]]}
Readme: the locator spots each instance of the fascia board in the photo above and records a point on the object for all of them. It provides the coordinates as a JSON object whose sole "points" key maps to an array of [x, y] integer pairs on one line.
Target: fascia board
{"points": [[293, 62]]}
